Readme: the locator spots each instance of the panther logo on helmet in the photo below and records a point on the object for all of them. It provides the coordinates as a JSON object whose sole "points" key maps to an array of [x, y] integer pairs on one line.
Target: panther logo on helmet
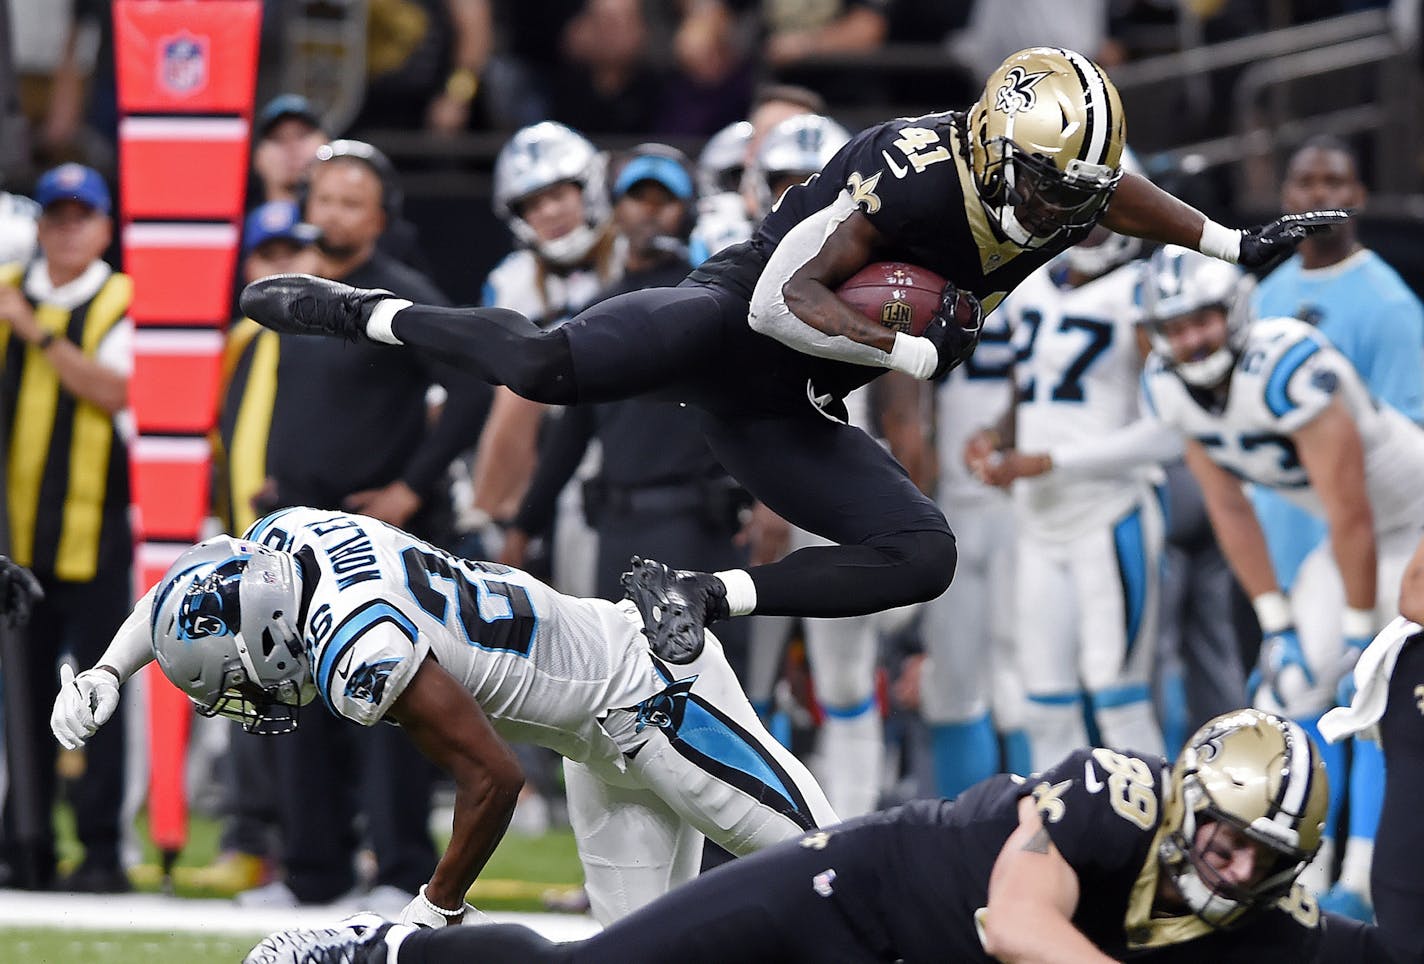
{"points": [[1017, 92], [211, 606]]}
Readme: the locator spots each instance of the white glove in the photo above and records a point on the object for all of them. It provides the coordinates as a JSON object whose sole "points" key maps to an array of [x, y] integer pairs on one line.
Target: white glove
{"points": [[422, 913], [85, 703]]}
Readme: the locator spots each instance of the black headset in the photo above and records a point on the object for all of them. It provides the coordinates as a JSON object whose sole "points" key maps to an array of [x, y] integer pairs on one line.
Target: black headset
{"points": [[392, 197]]}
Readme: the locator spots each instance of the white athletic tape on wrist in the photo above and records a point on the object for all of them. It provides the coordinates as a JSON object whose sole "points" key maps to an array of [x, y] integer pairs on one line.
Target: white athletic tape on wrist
{"points": [[1358, 623], [378, 326], [1220, 241], [741, 591], [913, 355], [1273, 612]]}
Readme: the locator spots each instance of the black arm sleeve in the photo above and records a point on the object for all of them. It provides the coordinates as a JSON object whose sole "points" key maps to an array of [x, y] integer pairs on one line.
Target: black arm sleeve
{"points": [[1345, 941], [559, 457]]}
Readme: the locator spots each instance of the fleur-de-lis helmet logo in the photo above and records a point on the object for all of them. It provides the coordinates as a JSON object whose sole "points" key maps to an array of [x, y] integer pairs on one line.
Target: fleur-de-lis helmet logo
{"points": [[1017, 92]]}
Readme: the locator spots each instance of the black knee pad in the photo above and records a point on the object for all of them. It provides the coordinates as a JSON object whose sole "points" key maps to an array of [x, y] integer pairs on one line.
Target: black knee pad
{"points": [[926, 560], [543, 371]]}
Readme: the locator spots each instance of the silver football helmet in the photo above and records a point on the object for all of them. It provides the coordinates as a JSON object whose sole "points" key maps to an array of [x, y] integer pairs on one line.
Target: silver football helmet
{"points": [[1262, 776], [542, 155], [720, 165], [225, 632], [1178, 281], [799, 146]]}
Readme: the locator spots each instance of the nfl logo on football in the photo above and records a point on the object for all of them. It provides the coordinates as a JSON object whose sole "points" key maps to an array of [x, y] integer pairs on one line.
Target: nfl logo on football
{"points": [[183, 63], [896, 314]]}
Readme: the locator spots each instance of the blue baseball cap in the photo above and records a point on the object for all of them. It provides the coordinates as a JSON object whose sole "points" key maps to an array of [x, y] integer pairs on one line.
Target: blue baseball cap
{"points": [[283, 106], [73, 182], [655, 167], [274, 220]]}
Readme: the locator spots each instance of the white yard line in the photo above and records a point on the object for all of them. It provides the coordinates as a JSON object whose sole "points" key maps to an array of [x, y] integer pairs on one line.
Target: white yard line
{"points": [[155, 912]]}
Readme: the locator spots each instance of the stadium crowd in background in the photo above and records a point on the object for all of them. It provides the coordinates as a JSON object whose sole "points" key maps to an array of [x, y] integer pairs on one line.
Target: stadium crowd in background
{"points": [[580, 81]]}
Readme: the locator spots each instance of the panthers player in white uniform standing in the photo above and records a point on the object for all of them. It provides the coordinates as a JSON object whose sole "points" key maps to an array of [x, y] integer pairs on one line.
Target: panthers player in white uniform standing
{"points": [[968, 631], [550, 189], [1090, 522], [381, 625], [1272, 402]]}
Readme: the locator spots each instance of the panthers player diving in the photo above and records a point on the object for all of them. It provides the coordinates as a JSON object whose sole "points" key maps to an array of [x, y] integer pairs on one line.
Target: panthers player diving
{"points": [[1104, 856], [1274, 403], [380, 625], [757, 338]]}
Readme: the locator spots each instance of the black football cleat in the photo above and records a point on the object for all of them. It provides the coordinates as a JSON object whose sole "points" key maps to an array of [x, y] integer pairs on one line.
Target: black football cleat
{"points": [[356, 940], [676, 606], [300, 304]]}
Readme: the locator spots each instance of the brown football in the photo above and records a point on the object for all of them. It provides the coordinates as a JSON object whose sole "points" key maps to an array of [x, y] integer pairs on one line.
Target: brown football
{"points": [[898, 295]]}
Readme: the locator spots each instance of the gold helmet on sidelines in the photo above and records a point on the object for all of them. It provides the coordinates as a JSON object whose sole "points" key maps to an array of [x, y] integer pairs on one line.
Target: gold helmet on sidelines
{"points": [[1261, 775], [1045, 142]]}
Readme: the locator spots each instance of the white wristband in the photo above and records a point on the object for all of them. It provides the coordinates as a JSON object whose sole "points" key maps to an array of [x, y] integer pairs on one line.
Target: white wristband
{"points": [[436, 909], [913, 355], [1358, 623], [1273, 612], [1220, 242]]}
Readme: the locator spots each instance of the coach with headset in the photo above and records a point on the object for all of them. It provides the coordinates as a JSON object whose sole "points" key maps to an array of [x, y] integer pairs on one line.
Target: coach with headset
{"points": [[351, 430]]}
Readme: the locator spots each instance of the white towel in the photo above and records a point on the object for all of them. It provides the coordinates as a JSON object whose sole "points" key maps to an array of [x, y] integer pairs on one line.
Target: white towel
{"points": [[1372, 674]]}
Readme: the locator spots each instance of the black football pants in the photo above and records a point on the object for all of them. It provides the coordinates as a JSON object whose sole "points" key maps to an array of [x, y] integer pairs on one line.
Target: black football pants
{"points": [[787, 904], [1397, 872], [893, 544]]}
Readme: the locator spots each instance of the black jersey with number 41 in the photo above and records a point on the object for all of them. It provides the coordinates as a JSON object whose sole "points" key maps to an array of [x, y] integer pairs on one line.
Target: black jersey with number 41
{"points": [[911, 177]]}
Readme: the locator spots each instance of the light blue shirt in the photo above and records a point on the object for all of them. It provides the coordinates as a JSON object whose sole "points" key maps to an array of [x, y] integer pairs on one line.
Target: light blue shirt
{"points": [[1372, 317]]}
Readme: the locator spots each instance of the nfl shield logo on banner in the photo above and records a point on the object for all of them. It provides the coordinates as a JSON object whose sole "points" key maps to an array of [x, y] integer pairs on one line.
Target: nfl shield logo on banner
{"points": [[183, 63]]}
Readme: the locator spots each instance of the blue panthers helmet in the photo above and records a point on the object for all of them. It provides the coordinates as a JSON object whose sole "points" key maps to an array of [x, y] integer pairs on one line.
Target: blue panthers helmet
{"points": [[224, 630]]}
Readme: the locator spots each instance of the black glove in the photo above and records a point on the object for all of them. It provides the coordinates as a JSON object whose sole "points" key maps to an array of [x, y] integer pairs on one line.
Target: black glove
{"points": [[19, 591], [954, 329], [1263, 245]]}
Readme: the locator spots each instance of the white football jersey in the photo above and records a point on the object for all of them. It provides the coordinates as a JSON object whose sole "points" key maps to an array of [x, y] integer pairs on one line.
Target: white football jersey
{"points": [[973, 397], [1078, 372], [1287, 374], [514, 283], [542, 665]]}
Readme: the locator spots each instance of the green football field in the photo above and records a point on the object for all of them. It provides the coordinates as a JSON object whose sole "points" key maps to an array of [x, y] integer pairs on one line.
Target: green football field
{"points": [[29, 945], [518, 877]]}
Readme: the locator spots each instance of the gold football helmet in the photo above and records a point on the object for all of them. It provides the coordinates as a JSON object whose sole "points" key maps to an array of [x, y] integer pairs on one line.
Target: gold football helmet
{"points": [[1045, 141], [1261, 775]]}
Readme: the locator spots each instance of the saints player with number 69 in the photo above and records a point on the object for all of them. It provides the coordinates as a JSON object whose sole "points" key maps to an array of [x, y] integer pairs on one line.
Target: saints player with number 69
{"points": [[757, 338], [1272, 402], [382, 626], [1105, 856]]}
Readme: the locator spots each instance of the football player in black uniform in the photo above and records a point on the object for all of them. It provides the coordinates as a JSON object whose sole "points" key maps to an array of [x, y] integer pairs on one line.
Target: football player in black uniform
{"points": [[757, 339], [1388, 686], [1108, 855]]}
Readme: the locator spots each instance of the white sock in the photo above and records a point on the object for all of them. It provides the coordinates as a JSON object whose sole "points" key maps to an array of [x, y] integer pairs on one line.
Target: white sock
{"points": [[1355, 866], [849, 756], [394, 938], [741, 591], [378, 326], [1055, 729]]}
